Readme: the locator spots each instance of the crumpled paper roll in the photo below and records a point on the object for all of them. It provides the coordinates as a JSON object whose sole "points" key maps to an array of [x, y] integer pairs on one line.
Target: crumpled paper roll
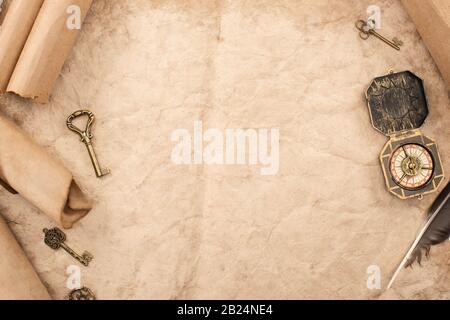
{"points": [[35, 41], [432, 19], [18, 279], [29, 170], [15, 29]]}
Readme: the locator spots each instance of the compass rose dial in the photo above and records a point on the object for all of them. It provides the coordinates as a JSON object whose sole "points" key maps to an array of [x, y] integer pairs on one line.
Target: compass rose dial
{"points": [[411, 166]]}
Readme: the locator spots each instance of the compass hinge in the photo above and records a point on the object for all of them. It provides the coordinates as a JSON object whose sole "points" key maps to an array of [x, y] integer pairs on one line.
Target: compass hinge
{"points": [[405, 134]]}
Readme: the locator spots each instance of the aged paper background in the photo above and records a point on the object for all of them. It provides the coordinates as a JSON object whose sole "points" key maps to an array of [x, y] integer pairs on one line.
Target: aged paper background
{"points": [[18, 279], [158, 230]]}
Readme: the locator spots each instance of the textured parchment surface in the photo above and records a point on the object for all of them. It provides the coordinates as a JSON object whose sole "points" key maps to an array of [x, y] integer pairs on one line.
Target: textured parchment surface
{"points": [[18, 279], [158, 230]]}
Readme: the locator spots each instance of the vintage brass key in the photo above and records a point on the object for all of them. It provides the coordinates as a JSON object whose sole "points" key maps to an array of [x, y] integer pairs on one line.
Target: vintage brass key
{"points": [[365, 32], [55, 239], [86, 138]]}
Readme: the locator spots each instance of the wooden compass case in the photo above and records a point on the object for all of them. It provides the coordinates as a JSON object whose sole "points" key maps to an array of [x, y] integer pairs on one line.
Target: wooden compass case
{"points": [[410, 161]]}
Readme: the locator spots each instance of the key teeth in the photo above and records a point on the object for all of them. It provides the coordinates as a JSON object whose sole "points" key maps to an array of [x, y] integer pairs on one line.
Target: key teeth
{"points": [[397, 41], [87, 256], [105, 172]]}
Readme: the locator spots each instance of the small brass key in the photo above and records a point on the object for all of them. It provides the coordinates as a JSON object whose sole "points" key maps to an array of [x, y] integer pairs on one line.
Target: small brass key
{"points": [[55, 238], [365, 32], [86, 138]]}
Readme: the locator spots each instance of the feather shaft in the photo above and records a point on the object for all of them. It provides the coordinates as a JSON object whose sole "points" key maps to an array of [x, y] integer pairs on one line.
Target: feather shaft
{"points": [[437, 208]]}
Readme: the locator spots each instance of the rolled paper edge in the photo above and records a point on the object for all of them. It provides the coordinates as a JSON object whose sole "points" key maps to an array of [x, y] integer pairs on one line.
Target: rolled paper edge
{"points": [[17, 21], [39, 98], [23, 84], [432, 20], [18, 278], [63, 200], [76, 207]]}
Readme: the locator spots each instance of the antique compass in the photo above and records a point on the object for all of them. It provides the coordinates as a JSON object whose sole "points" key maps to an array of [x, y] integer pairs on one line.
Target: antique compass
{"points": [[410, 161]]}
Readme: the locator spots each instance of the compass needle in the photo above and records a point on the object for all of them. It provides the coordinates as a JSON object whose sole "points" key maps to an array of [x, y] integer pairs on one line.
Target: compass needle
{"points": [[404, 150]]}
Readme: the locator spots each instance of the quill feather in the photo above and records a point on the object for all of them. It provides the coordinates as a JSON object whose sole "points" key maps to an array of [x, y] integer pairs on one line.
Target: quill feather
{"points": [[436, 230]]}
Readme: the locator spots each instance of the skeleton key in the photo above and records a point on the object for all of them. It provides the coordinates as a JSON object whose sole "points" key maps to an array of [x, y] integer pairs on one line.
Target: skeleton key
{"points": [[365, 32], [86, 138], [55, 238]]}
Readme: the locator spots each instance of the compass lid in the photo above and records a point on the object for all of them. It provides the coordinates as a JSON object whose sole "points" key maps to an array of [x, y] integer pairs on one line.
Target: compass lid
{"points": [[397, 102]]}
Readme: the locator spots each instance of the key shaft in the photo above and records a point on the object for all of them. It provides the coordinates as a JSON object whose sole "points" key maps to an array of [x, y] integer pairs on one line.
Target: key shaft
{"points": [[384, 39], [83, 259], [99, 172]]}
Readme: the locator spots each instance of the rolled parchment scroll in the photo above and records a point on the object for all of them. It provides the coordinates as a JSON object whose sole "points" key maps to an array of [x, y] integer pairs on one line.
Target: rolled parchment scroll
{"points": [[13, 35], [432, 20], [29, 170], [18, 279], [35, 39]]}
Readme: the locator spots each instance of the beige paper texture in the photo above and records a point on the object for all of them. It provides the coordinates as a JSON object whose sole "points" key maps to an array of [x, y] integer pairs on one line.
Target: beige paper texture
{"points": [[165, 231], [13, 35], [35, 175], [432, 19], [50, 41], [18, 279]]}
